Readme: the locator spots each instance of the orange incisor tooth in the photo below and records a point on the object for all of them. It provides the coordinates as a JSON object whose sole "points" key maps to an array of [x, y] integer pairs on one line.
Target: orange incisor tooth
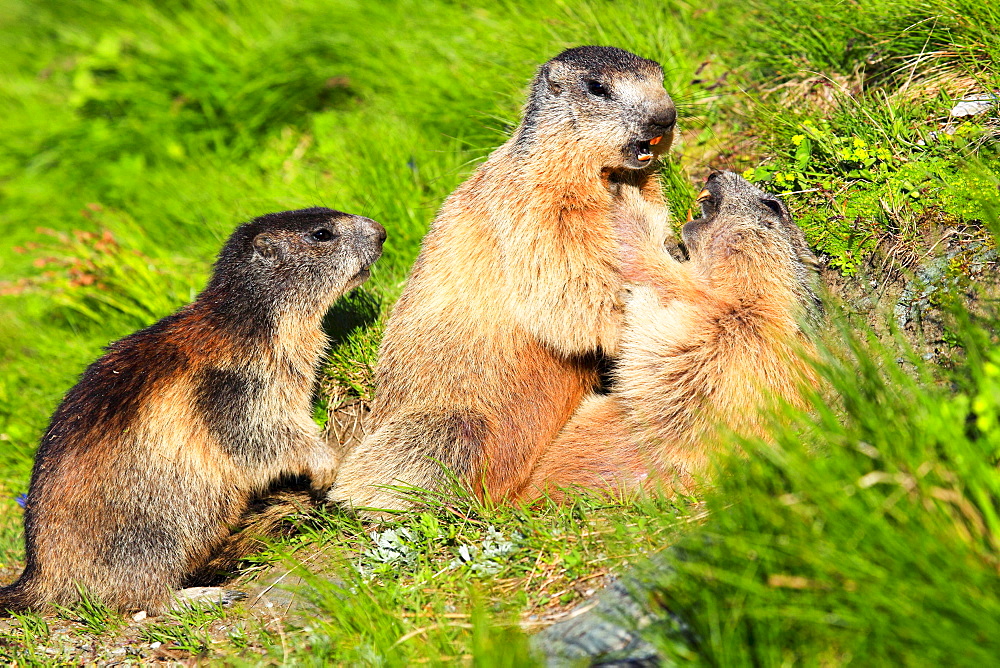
{"points": [[655, 140], [644, 158], [703, 195]]}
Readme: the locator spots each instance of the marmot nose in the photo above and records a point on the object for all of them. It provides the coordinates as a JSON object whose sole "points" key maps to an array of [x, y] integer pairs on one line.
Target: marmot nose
{"points": [[375, 229], [664, 118]]}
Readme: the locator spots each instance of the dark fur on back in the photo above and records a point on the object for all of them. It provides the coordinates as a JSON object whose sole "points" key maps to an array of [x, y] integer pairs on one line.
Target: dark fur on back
{"points": [[158, 449], [111, 390]]}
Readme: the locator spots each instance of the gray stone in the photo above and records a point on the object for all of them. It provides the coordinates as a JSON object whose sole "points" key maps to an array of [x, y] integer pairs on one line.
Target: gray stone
{"points": [[607, 629]]}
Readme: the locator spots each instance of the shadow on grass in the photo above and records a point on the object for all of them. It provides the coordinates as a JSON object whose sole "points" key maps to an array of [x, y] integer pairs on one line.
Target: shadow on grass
{"points": [[355, 311]]}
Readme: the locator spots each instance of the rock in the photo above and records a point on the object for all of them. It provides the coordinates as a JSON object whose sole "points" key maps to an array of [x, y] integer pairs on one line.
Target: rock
{"points": [[607, 629], [603, 630], [283, 593], [973, 105]]}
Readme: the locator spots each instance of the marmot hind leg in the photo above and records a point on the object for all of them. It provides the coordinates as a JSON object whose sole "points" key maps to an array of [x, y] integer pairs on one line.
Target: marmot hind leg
{"points": [[595, 450], [410, 451]]}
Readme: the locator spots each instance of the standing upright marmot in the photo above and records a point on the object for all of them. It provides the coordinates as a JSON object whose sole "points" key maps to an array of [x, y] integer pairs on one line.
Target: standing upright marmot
{"points": [[158, 449], [515, 294], [706, 343]]}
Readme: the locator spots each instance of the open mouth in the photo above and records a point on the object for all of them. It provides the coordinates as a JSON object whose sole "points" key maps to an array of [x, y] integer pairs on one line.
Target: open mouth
{"points": [[692, 229], [706, 202], [644, 149]]}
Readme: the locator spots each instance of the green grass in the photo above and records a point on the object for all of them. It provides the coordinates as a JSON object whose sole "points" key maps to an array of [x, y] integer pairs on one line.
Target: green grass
{"points": [[867, 532], [433, 583], [136, 136], [450, 581]]}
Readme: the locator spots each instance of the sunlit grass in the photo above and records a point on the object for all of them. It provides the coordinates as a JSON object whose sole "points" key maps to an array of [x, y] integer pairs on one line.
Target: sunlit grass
{"points": [[140, 134]]}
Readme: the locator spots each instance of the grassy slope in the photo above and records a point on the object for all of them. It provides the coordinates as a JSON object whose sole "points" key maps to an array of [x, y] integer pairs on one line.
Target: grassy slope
{"points": [[169, 123]]}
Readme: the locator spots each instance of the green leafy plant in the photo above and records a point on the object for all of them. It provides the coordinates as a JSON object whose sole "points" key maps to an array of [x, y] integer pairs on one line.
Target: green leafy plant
{"points": [[24, 644]]}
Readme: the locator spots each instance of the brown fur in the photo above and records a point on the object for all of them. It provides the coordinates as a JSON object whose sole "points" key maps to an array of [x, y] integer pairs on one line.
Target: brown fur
{"points": [[275, 514], [515, 296], [158, 450], [706, 344]]}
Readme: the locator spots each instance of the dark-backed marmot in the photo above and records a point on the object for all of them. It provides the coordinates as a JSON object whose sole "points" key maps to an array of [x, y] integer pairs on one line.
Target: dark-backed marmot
{"points": [[706, 343], [516, 293], [159, 448]]}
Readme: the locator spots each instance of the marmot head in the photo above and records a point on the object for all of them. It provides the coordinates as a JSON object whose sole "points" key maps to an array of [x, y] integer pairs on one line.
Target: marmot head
{"points": [[748, 236], [603, 101], [306, 258]]}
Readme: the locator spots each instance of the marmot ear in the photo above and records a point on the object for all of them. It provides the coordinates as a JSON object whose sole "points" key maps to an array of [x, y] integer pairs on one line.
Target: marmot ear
{"points": [[549, 72], [268, 248]]}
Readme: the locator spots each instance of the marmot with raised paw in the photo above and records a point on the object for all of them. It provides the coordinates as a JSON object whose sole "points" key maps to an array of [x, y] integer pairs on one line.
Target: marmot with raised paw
{"points": [[706, 343], [516, 294]]}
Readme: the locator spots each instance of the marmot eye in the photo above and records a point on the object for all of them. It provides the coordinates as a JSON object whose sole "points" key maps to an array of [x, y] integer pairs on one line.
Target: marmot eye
{"points": [[322, 234], [597, 89]]}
